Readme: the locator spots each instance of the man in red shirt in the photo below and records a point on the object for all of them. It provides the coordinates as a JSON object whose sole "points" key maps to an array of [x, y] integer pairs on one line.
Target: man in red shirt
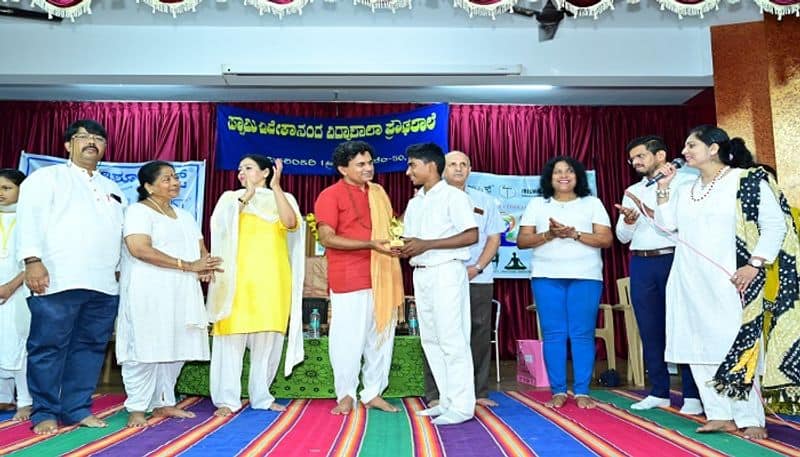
{"points": [[353, 217]]}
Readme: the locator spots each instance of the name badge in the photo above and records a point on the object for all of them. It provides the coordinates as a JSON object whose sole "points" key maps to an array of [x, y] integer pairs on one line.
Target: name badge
{"points": [[477, 210]]}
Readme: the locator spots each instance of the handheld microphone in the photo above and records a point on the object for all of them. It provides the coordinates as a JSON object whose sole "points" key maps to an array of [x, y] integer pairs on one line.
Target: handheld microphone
{"points": [[676, 162]]}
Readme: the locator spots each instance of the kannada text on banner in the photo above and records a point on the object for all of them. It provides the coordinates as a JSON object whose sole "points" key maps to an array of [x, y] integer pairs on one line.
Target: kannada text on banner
{"points": [[191, 174], [306, 144]]}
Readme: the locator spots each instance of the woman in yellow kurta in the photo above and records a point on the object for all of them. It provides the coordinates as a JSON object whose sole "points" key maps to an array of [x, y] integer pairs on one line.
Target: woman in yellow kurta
{"points": [[258, 231]]}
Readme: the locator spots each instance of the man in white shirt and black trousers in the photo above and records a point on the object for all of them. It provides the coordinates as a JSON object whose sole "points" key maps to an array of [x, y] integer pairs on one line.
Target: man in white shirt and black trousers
{"points": [[439, 228], [70, 235], [651, 260]]}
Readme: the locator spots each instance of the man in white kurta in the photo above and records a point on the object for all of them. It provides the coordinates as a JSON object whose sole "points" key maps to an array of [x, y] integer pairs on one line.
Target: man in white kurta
{"points": [[704, 310], [439, 228]]}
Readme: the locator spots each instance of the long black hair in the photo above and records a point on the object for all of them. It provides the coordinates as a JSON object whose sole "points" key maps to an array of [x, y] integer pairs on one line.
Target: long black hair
{"points": [[732, 151], [581, 181], [264, 163]]}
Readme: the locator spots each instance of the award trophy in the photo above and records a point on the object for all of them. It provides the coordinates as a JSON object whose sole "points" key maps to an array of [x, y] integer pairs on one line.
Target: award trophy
{"points": [[396, 233]]}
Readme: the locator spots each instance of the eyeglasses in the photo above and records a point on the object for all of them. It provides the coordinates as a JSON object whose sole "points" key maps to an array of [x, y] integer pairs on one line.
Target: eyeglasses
{"points": [[639, 156], [89, 137]]}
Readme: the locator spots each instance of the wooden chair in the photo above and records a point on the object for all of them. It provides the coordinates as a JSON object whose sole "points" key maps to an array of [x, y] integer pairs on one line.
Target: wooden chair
{"points": [[635, 356]]}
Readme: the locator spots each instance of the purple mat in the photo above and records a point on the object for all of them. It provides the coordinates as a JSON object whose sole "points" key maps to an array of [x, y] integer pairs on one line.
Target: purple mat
{"points": [[160, 434], [468, 439]]}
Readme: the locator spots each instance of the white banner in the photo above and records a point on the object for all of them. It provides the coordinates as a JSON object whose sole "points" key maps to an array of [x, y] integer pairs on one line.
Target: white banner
{"points": [[513, 194], [191, 174]]}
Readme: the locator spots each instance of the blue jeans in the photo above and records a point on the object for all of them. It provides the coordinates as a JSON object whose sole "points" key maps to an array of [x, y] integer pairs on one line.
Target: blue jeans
{"points": [[567, 310], [69, 334], [648, 294]]}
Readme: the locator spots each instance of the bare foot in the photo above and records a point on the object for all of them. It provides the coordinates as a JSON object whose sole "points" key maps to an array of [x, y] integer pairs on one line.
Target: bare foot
{"points": [[277, 407], [22, 414], [92, 421], [433, 403], [171, 411], [755, 433], [136, 419], [343, 407], [486, 402], [223, 411], [46, 427], [381, 404], [7, 407], [717, 426], [585, 402], [557, 401]]}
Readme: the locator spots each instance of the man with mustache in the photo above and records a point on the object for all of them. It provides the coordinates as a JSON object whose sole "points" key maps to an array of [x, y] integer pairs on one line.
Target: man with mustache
{"points": [[70, 235], [650, 263], [364, 278]]}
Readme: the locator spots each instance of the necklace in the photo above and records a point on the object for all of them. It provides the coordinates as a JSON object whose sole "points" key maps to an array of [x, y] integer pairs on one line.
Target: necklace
{"points": [[359, 219], [710, 186], [6, 233], [158, 207]]}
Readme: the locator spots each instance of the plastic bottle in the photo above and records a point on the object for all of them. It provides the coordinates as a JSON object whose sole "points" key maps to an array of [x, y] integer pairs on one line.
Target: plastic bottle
{"points": [[413, 324], [313, 325]]}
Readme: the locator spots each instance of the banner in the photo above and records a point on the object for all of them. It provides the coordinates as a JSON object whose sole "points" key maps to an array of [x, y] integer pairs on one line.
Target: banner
{"points": [[513, 194], [191, 174], [306, 144]]}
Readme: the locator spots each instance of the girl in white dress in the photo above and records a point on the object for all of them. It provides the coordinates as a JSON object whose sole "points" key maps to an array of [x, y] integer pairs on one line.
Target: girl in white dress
{"points": [[707, 324], [15, 317], [162, 319]]}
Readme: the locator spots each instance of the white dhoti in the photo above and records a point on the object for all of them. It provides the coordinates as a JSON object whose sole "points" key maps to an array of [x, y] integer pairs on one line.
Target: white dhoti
{"points": [[353, 334], [443, 310], [9, 380], [150, 385], [745, 413], [227, 354]]}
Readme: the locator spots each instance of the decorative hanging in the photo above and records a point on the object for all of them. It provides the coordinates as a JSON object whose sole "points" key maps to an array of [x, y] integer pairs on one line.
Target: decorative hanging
{"points": [[485, 7], [586, 7], [174, 7], [779, 8], [690, 7], [278, 7], [393, 5], [64, 8]]}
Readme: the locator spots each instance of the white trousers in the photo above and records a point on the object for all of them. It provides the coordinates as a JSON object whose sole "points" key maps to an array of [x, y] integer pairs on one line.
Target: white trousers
{"points": [[8, 380], [745, 413], [150, 385], [353, 335], [443, 310], [227, 354]]}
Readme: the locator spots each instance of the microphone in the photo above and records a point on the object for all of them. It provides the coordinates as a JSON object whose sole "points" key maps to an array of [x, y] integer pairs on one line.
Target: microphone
{"points": [[676, 162]]}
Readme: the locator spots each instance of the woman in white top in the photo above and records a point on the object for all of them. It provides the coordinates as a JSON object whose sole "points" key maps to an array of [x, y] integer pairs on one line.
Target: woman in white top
{"points": [[15, 318], [566, 228], [162, 319], [709, 326]]}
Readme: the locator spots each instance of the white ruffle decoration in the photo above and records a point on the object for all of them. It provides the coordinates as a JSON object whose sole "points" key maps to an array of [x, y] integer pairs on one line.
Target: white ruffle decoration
{"points": [[583, 11], [174, 8], [278, 9], [684, 9], [79, 9], [499, 7], [778, 10], [393, 5]]}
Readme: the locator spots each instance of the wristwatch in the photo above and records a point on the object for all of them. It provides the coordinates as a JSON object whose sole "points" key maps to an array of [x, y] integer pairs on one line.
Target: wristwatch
{"points": [[755, 262], [479, 268]]}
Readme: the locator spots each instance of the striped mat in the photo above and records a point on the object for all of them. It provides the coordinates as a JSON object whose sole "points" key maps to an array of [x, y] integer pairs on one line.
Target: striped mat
{"points": [[519, 426]]}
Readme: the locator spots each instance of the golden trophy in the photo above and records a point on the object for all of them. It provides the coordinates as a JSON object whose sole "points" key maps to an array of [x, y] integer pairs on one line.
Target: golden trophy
{"points": [[396, 233]]}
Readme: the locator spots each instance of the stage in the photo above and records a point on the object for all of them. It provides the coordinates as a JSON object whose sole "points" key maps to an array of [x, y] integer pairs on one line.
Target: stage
{"points": [[519, 426]]}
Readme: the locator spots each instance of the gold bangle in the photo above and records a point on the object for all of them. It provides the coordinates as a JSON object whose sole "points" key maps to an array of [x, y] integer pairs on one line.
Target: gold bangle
{"points": [[544, 235], [180, 264]]}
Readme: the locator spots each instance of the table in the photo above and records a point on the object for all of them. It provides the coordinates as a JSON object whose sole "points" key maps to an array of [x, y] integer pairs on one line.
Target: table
{"points": [[313, 377]]}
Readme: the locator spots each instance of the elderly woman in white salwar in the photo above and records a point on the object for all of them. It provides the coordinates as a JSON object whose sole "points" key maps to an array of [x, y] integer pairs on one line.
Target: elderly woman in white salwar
{"points": [[15, 318], [731, 214], [260, 293], [162, 320]]}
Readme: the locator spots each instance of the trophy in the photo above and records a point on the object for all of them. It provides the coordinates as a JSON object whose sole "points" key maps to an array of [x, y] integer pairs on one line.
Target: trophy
{"points": [[395, 233]]}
